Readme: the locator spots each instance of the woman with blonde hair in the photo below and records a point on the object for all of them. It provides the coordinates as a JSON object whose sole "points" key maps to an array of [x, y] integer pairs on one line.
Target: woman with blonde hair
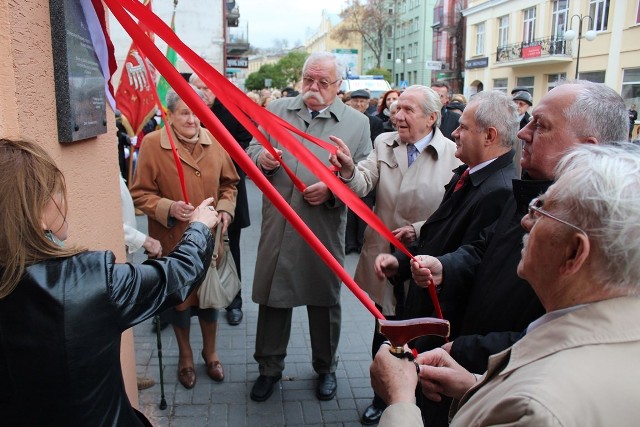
{"points": [[156, 190], [63, 309]]}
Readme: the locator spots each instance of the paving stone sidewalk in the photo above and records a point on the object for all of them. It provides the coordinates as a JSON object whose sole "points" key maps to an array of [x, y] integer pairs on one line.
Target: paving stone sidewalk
{"points": [[293, 403]]}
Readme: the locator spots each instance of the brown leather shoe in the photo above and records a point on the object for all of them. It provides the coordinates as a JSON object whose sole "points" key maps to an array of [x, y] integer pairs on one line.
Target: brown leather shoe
{"points": [[214, 369], [187, 377]]}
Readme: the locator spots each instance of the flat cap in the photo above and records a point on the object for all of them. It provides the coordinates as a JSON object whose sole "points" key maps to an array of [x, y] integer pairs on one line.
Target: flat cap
{"points": [[519, 89], [360, 93], [523, 96]]}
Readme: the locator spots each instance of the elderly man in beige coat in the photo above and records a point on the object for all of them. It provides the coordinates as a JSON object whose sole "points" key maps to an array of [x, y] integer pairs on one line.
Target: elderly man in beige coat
{"points": [[406, 193], [288, 272], [577, 364]]}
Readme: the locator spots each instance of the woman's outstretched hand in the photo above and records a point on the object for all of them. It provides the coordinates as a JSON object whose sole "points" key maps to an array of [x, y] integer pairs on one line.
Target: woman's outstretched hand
{"points": [[206, 214]]}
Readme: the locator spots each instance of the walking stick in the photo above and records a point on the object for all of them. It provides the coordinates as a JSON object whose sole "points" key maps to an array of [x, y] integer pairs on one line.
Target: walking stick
{"points": [[163, 402]]}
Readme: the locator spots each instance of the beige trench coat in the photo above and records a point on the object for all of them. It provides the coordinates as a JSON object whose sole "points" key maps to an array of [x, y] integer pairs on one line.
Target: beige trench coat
{"points": [[404, 196], [288, 272]]}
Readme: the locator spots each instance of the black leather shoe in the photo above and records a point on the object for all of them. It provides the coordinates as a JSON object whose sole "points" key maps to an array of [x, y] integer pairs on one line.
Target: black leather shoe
{"points": [[263, 387], [371, 415], [327, 386], [234, 316]]}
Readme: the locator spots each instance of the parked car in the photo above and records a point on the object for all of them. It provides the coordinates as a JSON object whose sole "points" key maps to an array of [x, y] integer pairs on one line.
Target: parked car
{"points": [[376, 85]]}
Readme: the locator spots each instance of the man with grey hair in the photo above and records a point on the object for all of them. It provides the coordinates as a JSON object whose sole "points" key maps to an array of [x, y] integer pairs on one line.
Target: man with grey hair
{"points": [[288, 272], [489, 302], [581, 255], [408, 170]]}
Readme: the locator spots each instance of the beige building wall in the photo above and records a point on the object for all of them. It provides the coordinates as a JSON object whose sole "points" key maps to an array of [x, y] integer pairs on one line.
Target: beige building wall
{"points": [[322, 40], [614, 50], [28, 110]]}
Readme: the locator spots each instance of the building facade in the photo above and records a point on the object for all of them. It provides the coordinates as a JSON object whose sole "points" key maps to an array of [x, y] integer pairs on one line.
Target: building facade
{"points": [[349, 52], [408, 42], [448, 43], [523, 43]]}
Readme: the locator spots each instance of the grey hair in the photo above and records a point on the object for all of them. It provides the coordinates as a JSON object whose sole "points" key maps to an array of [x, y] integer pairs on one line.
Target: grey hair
{"points": [[599, 190], [193, 78], [173, 98], [431, 101], [497, 110], [598, 111], [321, 57], [393, 106]]}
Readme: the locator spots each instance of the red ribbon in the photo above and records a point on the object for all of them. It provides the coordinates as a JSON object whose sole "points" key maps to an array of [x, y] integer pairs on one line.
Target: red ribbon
{"points": [[242, 107]]}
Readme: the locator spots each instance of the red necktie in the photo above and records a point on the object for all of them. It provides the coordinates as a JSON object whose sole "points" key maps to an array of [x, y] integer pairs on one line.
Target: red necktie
{"points": [[462, 180]]}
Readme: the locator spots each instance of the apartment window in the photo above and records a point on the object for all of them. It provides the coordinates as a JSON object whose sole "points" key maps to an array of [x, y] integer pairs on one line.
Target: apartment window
{"points": [[631, 86], [599, 12], [529, 25], [553, 79], [480, 39], [559, 17], [438, 13], [503, 30], [500, 84], [526, 82], [593, 76], [389, 55]]}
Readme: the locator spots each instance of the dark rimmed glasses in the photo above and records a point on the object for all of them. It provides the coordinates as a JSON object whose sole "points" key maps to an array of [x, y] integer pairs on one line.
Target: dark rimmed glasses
{"points": [[536, 207], [324, 84]]}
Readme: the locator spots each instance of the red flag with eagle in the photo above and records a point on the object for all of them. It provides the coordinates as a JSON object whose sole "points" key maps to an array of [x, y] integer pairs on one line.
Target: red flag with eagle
{"points": [[134, 97]]}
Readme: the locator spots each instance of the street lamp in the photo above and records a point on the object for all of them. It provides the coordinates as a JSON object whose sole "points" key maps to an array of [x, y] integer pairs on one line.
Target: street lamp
{"points": [[404, 66], [569, 35]]}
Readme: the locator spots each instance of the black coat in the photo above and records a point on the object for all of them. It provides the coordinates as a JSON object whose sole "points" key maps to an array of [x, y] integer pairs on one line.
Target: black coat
{"points": [[459, 219], [489, 297], [525, 119], [376, 126], [243, 137], [60, 331], [449, 122]]}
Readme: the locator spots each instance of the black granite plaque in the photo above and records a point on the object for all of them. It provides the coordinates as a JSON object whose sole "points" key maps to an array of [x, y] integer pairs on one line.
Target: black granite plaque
{"points": [[80, 96]]}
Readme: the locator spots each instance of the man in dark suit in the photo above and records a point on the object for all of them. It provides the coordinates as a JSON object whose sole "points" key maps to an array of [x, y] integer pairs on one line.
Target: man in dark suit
{"points": [[473, 200], [449, 120], [241, 217]]}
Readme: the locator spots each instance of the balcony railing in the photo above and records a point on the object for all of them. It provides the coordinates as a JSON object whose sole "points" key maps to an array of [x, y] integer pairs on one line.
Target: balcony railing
{"points": [[233, 13], [537, 48], [237, 41]]}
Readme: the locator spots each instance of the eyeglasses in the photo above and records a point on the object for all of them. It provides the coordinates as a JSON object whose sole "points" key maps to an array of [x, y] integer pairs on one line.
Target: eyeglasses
{"points": [[536, 206], [324, 84]]}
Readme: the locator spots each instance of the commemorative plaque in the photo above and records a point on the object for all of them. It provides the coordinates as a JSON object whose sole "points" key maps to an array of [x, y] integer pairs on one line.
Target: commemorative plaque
{"points": [[79, 83]]}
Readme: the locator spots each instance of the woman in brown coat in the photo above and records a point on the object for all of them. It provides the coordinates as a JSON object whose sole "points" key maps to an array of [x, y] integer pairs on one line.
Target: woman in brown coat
{"points": [[156, 190]]}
